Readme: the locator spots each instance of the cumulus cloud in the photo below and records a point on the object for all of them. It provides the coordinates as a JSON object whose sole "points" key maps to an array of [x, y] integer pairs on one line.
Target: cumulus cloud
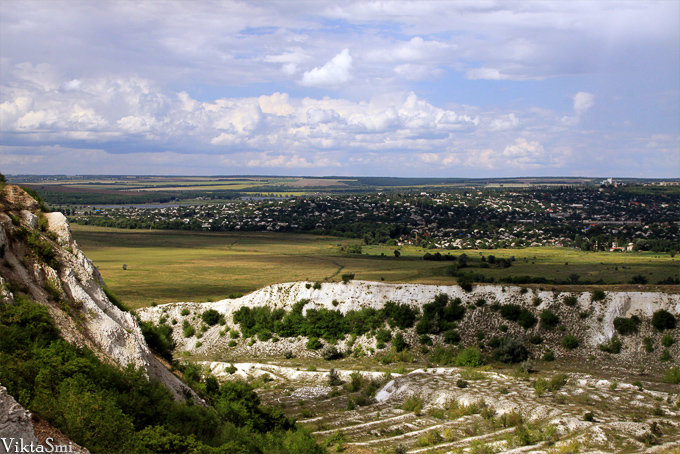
{"points": [[335, 72]]}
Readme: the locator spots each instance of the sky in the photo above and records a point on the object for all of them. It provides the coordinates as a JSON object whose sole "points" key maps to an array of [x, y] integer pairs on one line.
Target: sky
{"points": [[475, 88]]}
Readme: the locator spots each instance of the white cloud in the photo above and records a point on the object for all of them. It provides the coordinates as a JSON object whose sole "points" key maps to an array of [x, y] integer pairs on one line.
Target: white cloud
{"points": [[583, 101], [333, 73]]}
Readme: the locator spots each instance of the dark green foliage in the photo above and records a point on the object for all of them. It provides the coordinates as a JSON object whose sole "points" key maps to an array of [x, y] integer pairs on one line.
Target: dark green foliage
{"points": [[638, 279], [399, 343], [330, 325], [548, 319], [187, 329], [451, 337], [425, 340], [510, 351], [330, 352], [517, 313], [347, 277], [465, 281], [316, 286], [400, 315], [159, 338], [440, 315], [570, 300], [536, 339], [109, 410], [667, 340], [313, 343], [461, 383], [211, 317], [662, 320], [613, 346], [549, 356], [598, 295], [625, 326], [383, 335], [570, 342]]}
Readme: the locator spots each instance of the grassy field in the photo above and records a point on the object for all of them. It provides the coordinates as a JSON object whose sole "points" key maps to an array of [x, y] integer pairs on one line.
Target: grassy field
{"points": [[170, 266]]}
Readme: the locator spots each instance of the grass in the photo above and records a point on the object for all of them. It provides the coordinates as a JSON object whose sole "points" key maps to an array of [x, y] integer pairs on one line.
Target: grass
{"points": [[169, 266]]}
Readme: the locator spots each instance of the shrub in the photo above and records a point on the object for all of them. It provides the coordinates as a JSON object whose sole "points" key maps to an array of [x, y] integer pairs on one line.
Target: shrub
{"points": [[536, 301], [511, 351], [413, 403], [613, 346], [549, 356], [314, 343], [588, 416], [598, 295], [451, 337], [569, 342], [184, 312], [188, 329], [667, 340], [465, 282], [665, 356], [264, 335], [461, 383], [232, 343], [469, 357], [383, 335], [548, 319], [516, 313], [347, 277], [330, 352], [399, 343], [480, 302], [672, 375], [211, 317], [316, 286], [662, 320], [159, 338], [536, 339], [648, 344], [425, 340], [626, 326], [570, 300]]}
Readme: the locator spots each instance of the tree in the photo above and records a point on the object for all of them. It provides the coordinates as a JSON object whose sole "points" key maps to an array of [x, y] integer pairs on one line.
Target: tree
{"points": [[397, 254]]}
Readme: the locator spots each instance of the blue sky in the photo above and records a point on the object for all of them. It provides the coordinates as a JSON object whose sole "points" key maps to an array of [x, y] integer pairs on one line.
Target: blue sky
{"points": [[388, 88]]}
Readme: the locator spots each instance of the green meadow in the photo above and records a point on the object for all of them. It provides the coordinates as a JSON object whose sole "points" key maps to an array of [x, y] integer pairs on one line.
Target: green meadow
{"points": [[167, 266]]}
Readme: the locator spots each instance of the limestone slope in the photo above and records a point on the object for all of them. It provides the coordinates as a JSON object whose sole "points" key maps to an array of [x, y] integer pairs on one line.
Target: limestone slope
{"points": [[39, 258]]}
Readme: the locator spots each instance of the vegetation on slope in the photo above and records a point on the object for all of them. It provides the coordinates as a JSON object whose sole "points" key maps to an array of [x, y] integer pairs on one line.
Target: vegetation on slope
{"points": [[109, 410]]}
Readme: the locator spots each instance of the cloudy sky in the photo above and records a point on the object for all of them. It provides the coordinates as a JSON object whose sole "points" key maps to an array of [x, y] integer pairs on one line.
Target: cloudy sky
{"points": [[387, 88]]}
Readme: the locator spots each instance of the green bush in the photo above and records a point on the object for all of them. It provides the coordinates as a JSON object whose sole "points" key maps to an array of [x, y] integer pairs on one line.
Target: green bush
{"points": [[667, 340], [548, 319], [399, 343], [598, 295], [510, 351], [613, 346], [313, 343], [570, 300], [570, 342], [469, 357], [347, 277], [159, 338], [187, 329], [626, 326], [451, 337], [672, 375], [516, 313], [662, 320], [549, 356], [211, 317], [383, 335]]}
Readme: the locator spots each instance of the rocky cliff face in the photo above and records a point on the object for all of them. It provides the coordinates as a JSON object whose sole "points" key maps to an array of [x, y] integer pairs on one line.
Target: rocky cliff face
{"points": [[590, 321], [39, 258]]}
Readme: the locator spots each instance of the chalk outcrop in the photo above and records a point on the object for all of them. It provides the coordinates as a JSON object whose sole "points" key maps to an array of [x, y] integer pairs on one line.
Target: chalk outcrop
{"points": [[40, 258], [590, 321]]}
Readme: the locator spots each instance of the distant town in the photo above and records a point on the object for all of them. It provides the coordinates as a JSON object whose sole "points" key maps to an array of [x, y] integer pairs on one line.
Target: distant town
{"points": [[606, 217]]}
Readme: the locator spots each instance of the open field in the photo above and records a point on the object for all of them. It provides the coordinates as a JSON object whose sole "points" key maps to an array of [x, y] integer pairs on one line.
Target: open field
{"points": [[169, 266]]}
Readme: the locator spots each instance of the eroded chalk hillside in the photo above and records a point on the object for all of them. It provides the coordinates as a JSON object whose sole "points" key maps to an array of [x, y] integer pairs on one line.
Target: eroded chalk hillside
{"points": [[615, 326], [40, 260]]}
